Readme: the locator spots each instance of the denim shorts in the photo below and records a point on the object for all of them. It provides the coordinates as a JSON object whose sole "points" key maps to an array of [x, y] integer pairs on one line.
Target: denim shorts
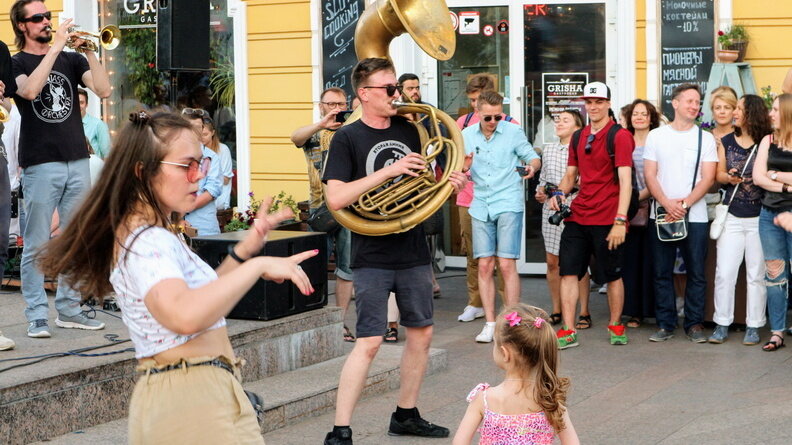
{"points": [[342, 239], [413, 289], [499, 237]]}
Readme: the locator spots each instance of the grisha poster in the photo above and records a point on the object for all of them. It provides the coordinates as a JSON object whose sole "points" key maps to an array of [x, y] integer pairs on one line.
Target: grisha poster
{"points": [[561, 92]]}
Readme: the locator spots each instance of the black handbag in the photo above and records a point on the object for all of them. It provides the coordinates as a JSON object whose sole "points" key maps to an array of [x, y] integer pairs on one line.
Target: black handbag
{"points": [[321, 220], [676, 230], [257, 402]]}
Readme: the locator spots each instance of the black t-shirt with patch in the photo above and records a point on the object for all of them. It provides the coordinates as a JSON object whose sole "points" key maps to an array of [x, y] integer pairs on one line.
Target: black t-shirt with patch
{"points": [[357, 151], [51, 128]]}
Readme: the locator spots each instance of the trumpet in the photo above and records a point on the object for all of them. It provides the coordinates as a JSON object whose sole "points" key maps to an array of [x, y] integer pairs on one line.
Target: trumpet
{"points": [[108, 37]]}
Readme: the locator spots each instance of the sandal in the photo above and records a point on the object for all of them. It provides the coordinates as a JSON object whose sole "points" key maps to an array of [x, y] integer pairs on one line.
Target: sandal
{"points": [[771, 345], [584, 322], [348, 335], [391, 335], [436, 292], [555, 318], [634, 322]]}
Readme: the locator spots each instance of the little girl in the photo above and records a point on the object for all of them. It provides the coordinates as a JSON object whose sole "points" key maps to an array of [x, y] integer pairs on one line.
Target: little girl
{"points": [[527, 408]]}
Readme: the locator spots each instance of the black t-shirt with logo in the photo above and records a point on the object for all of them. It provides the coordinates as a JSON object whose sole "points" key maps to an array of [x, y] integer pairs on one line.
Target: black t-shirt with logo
{"points": [[357, 151], [51, 128]]}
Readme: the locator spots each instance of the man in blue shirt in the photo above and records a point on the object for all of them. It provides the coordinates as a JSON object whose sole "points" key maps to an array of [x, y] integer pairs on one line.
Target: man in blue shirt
{"points": [[95, 129], [498, 202], [204, 217]]}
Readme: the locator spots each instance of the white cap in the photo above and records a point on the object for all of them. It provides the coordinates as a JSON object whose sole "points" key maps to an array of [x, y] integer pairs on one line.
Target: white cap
{"points": [[596, 90]]}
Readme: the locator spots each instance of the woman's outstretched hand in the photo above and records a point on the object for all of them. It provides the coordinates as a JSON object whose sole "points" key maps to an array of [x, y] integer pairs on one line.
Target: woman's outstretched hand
{"points": [[279, 269]]}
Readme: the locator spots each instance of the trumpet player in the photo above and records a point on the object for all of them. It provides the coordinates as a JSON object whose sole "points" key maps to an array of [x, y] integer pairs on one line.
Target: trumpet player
{"points": [[52, 149]]}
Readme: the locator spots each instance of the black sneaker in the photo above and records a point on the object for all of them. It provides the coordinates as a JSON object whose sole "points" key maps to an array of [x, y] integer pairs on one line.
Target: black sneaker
{"points": [[415, 427], [342, 437]]}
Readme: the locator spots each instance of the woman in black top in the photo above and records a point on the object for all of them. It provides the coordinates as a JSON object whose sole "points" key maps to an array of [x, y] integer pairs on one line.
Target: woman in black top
{"points": [[740, 236], [773, 172]]}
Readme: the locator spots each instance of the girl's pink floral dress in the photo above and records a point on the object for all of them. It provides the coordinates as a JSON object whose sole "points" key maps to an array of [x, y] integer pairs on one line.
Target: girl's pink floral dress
{"points": [[511, 429]]}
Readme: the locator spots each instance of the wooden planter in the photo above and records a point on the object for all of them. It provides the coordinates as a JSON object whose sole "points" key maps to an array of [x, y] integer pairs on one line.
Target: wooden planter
{"points": [[728, 56]]}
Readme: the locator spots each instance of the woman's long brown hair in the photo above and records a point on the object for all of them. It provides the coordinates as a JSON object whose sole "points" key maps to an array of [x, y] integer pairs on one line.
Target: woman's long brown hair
{"points": [[536, 356], [84, 252]]}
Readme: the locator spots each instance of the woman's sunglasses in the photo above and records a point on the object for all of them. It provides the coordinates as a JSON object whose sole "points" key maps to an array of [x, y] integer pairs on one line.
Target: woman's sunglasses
{"points": [[38, 18], [193, 167], [497, 118], [195, 112]]}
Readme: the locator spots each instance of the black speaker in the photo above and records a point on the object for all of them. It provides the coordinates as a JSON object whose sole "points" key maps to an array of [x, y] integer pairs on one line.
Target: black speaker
{"points": [[268, 300], [183, 35]]}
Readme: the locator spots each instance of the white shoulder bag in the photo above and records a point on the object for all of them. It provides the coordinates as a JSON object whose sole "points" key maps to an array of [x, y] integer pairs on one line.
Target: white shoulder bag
{"points": [[721, 210]]}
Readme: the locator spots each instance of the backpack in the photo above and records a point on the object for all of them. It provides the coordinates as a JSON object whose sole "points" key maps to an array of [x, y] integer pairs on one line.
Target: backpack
{"points": [[470, 116], [610, 143]]}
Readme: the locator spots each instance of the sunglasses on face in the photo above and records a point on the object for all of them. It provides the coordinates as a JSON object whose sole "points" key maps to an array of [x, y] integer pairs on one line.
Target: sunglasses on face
{"points": [[589, 140], [390, 90], [497, 118], [38, 18], [193, 167], [194, 112]]}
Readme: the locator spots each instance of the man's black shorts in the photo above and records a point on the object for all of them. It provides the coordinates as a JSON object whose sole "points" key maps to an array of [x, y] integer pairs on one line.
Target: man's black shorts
{"points": [[579, 242]]}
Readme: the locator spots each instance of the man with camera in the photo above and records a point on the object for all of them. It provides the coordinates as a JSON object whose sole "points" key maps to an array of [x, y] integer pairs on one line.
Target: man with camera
{"points": [[332, 114], [596, 222], [499, 151]]}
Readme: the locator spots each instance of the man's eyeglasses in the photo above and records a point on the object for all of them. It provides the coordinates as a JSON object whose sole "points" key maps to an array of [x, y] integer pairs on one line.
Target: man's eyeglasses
{"points": [[589, 140], [194, 112], [38, 18], [390, 90], [335, 104], [497, 118], [193, 167]]}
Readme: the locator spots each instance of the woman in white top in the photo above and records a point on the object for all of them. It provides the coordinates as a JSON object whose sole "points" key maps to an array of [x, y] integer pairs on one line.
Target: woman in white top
{"points": [[172, 302], [210, 139]]}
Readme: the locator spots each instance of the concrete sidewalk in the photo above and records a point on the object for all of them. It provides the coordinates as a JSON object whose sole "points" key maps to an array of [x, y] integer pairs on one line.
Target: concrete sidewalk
{"points": [[675, 392]]}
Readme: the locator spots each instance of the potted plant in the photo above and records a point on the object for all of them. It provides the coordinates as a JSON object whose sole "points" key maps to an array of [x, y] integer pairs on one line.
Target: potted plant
{"points": [[243, 220], [733, 43]]}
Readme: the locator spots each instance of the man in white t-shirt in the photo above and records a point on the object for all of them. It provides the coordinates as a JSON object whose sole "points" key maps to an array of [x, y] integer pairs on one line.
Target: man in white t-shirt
{"points": [[669, 165]]}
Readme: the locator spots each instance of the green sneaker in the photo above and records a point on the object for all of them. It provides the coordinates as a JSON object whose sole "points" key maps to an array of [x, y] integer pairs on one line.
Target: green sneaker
{"points": [[567, 338], [618, 334]]}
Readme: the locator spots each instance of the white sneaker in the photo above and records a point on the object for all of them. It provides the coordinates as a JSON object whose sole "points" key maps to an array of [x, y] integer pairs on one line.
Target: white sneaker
{"points": [[6, 343], [486, 334], [471, 313], [603, 290]]}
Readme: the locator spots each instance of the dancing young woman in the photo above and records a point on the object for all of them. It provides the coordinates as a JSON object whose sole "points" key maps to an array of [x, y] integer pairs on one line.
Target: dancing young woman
{"points": [[172, 302]]}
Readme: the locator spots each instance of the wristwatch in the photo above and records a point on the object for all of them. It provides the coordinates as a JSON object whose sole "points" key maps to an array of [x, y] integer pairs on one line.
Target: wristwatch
{"points": [[774, 175], [684, 205]]}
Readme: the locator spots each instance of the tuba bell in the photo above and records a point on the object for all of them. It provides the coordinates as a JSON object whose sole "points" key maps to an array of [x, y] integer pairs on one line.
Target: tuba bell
{"points": [[393, 207]]}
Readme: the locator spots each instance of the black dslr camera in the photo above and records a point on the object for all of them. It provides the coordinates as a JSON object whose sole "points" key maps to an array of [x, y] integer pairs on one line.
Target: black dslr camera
{"points": [[563, 209]]}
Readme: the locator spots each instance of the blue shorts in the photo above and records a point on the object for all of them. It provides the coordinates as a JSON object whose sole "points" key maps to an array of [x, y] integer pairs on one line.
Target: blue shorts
{"points": [[342, 239], [498, 237]]}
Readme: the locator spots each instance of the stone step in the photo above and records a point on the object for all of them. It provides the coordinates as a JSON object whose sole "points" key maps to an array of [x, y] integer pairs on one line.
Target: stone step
{"points": [[290, 397]]}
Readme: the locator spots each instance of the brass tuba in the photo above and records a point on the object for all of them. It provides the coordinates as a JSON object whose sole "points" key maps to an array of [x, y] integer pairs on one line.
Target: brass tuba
{"points": [[397, 207]]}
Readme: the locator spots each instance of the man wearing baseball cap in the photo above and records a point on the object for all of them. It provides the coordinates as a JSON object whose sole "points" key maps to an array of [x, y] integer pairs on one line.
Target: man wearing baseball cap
{"points": [[598, 223]]}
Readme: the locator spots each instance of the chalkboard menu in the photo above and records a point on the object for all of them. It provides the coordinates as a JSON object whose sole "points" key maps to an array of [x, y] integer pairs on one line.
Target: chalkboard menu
{"points": [[339, 19], [687, 46]]}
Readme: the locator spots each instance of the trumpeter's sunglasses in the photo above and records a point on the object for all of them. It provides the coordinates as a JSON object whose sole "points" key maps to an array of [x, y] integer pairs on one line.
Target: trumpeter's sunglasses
{"points": [[193, 167], [38, 18]]}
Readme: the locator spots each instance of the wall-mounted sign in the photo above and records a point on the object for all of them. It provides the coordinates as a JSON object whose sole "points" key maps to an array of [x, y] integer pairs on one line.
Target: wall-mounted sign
{"points": [[469, 22], [503, 26], [686, 46], [561, 92], [339, 19], [488, 30], [454, 20], [137, 14]]}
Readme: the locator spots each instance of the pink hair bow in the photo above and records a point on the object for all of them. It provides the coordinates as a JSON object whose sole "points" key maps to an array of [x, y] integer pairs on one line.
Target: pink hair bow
{"points": [[513, 318], [538, 322]]}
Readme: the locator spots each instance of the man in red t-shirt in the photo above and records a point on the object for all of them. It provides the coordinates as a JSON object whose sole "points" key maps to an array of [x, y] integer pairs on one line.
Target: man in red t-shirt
{"points": [[598, 223]]}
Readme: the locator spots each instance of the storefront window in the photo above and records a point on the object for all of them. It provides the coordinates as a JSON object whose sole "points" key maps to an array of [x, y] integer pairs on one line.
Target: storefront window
{"points": [[138, 84]]}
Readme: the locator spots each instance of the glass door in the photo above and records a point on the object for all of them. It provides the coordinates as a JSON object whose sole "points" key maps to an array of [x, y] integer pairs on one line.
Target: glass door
{"points": [[562, 47], [537, 53]]}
